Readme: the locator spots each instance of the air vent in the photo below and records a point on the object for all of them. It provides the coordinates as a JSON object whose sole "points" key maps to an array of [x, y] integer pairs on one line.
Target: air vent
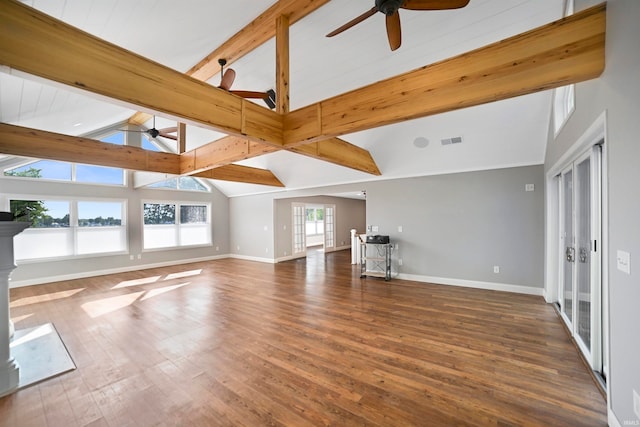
{"points": [[454, 140]]}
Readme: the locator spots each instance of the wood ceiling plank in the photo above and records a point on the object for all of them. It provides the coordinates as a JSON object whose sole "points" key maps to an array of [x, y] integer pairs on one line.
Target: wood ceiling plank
{"points": [[64, 54], [245, 174], [259, 31], [567, 51], [21, 141]]}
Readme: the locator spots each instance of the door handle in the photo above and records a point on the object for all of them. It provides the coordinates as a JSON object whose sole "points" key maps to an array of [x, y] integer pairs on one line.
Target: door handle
{"points": [[583, 254], [570, 254]]}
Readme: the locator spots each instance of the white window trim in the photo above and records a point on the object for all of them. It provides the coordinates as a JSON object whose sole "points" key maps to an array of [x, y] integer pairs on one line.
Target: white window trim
{"points": [[177, 224], [73, 224]]}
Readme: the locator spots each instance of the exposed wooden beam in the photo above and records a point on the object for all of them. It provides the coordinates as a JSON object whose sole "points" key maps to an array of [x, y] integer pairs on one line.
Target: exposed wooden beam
{"points": [[64, 54], [253, 35], [232, 149], [182, 137], [341, 153], [21, 141], [26, 142], [282, 64], [567, 51], [220, 153], [245, 174]]}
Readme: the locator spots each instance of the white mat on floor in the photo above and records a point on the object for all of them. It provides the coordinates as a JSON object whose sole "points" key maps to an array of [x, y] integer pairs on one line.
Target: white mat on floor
{"points": [[40, 353]]}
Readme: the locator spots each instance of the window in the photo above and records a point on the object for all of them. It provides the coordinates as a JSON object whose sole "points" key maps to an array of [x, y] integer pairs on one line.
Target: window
{"points": [[172, 224], [315, 221], [563, 105], [63, 171], [100, 228], [68, 228], [183, 183], [564, 99]]}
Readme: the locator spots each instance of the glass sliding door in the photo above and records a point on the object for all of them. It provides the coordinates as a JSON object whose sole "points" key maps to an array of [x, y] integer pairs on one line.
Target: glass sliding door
{"points": [[566, 235], [581, 283]]}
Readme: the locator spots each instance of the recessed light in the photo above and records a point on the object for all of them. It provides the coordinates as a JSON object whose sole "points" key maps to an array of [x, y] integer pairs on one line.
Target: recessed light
{"points": [[421, 142]]}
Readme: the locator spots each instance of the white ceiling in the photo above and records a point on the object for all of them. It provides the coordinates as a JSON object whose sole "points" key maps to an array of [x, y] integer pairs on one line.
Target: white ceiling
{"points": [[179, 34]]}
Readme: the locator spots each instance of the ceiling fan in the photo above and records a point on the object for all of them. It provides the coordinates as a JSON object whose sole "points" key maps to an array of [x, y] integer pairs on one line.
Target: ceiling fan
{"points": [[227, 78], [154, 133], [390, 9]]}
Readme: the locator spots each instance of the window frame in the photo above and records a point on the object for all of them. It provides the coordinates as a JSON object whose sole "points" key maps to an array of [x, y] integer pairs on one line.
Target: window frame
{"points": [[73, 228], [178, 224]]}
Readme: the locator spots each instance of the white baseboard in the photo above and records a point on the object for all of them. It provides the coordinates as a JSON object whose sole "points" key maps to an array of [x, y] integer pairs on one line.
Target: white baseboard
{"points": [[612, 420], [505, 287], [253, 258], [93, 273], [289, 258]]}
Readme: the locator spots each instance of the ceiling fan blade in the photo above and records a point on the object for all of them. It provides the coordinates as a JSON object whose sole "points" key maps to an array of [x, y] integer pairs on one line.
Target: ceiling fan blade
{"points": [[393, 30], [250, 94], [433, 4], [227, 79], [353, 22]]}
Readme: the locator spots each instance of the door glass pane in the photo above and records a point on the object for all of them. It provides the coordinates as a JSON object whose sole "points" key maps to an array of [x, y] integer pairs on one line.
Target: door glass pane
{"points": [[568, 255], [299, 217], [583, 250]]}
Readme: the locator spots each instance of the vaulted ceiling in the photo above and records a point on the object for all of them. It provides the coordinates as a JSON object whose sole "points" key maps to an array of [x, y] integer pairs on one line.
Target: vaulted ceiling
{"points": [[180, 34]]}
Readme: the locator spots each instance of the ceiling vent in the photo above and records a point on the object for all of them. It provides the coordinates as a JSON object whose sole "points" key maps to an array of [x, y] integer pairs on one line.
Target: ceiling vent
{"points": [[449, 141]]}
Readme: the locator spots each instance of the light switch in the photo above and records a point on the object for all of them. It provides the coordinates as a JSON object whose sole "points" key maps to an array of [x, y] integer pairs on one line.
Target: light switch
{"points": [[624, 261], [529, 187], [399, 229], [374, 228]]}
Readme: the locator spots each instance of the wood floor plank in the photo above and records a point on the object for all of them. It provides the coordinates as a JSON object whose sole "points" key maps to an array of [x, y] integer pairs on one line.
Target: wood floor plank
{"points": [[304, 342]]}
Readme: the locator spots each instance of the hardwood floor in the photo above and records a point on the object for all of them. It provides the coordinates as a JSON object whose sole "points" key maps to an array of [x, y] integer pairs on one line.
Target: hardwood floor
{"points": [[234, 342]]}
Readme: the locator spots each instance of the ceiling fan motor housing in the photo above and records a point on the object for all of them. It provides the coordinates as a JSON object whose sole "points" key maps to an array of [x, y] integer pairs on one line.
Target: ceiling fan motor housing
{"points": [[388, 7]]}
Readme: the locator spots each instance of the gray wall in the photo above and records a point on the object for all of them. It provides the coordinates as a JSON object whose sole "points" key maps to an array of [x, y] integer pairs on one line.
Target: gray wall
{"points": [[459, 226], [617, 92], [349, 214], [251, 233], [41, 272]]}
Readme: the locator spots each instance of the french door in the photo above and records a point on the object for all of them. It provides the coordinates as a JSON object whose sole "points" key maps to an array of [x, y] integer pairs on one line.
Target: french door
{"points": [[299, 218], [329, 228], [580, 294]]}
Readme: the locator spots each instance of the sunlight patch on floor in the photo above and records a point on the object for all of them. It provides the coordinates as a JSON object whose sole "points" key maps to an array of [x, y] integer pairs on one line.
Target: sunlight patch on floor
{"points": [[137, 282], [155, 292], [108, 305], [183, 274], [46, 297]]}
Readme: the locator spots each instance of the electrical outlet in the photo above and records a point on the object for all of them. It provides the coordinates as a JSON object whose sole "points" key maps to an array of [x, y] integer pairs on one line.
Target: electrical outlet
{"points": [[399, 261], [217, 248], [496, 269], [131, 257], [399, 229], [636, 403], [529, 187], [139, 256], [266, 250]]}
